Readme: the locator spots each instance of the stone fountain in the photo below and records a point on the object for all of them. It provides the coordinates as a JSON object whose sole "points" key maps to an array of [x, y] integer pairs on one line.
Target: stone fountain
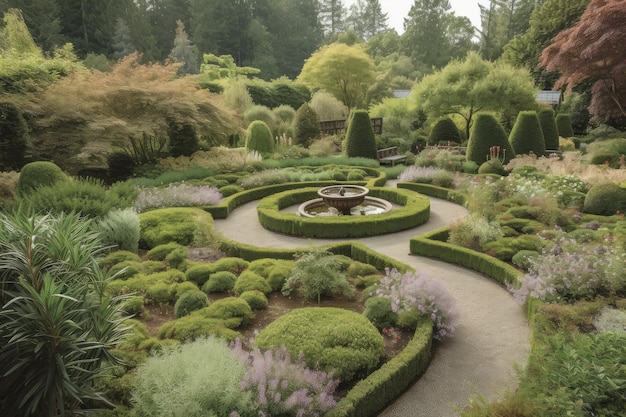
{"points": [[344, 200]]}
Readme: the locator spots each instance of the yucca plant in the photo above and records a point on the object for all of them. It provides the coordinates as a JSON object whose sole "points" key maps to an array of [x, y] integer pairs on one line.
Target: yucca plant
{"points": [[58, 326]]}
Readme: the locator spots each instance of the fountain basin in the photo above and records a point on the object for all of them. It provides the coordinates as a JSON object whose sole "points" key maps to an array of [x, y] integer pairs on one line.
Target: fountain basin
{"points": [[343, 197], [319, 207]]}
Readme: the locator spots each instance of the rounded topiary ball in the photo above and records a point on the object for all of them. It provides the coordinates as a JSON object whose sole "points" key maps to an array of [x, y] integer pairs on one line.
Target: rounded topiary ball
{"points": [[605, 199], [526, 136], [255, 299], [190, 301], [378, 311], [487, 139], [220, 281], [259, 138], [445, 130], [39, 174], [333, 339]]}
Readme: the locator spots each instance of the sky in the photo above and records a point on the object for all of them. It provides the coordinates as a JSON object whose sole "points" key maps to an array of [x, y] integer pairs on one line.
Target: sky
{"points": [[397, 10]]}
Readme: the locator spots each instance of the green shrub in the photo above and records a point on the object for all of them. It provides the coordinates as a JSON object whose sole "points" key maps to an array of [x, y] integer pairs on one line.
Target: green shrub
{"points": [[255, 299], [199, 274], [125, 269], [332, 339], [39, 174], [249, 280], [366, 281], [445, 131], [360, 140], [187, 226], [194, 326], [409, 319], [605, 199], [231, 264], [184, 287], [260, 113], [177, 258], [523, 259], [183, 138], [120, 229], [195, 379], [13, 137], [285, 113], [117, 257], [160, 293], [233, 311], [190, 301], [259, 138], [133, 306], [564, 125], [549, 129], [307, 126], [487, 133], [378, 311], [160, 252], [493, 166], [526, 136], [220, 281], [278, 276], [357, 268], [229, 190]]}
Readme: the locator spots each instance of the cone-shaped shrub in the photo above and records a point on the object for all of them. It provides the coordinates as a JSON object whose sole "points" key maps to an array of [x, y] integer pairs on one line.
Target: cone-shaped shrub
{"points": [[526, 136], [307, 126], [259, 138], [39, 174], [444, 130], [486, 134], [564, 125], [360, 140], [548, 128]]}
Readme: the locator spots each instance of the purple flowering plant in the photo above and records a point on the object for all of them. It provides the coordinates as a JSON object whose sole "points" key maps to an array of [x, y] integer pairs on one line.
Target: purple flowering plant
{"points": [[283, 386], [177, 195], [415, 291]]}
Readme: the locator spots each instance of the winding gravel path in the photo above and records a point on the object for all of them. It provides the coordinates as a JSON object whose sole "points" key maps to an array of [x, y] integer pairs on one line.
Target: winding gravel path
{"points": [[492, 334]]}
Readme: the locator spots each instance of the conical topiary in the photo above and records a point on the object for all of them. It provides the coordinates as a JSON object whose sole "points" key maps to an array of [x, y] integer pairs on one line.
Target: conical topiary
{"points": [[444, 131], [307, 126], [526, 136], [360, 140], [259, 138], [548, 128], [564, 125], [488, 139]]}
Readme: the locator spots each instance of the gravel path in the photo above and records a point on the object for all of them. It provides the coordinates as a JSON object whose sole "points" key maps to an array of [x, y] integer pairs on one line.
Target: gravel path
{"points": [[492, 334]]}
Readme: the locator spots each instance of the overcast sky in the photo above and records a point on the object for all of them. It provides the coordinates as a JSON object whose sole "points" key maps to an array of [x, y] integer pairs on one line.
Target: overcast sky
{"points": [[397, 10]]}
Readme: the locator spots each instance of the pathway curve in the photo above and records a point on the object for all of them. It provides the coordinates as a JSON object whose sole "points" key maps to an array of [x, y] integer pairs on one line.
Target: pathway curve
{"points": [[492, 334]]}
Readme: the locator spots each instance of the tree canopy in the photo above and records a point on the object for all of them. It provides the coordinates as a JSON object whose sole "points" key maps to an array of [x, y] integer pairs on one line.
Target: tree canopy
{"points": [[593, 50], [466, 87], [342, 70]]}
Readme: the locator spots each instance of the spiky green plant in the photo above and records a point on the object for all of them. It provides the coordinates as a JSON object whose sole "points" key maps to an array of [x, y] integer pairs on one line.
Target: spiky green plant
{"points": [[58, 326]]}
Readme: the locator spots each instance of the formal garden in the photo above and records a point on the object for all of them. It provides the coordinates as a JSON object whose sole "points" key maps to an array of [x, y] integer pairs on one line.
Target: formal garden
{"points": [[120, 297]]}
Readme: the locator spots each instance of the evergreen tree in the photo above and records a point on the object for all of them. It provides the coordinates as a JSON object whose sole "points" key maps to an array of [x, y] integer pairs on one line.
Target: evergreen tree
{"points": [[122, 41], [549, 129], [526, 136], [307, 126], [184, 51], [488, 139], [367, 18], [360, 139], [42, 17], [332, 16]]}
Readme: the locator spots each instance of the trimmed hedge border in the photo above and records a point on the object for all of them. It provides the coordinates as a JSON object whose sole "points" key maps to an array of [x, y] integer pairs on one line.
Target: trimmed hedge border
{"points": [[228, 204], [435, 191], [415, 211]]}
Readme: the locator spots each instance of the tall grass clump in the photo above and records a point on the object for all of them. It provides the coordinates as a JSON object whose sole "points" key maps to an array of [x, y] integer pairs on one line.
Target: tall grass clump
{"points": [[119, 228]]}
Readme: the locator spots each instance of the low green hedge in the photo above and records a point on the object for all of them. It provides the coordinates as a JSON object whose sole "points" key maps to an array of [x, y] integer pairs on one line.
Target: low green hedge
{"points": [[415, 211], [434, 245], [372, 394], [435, 191]]}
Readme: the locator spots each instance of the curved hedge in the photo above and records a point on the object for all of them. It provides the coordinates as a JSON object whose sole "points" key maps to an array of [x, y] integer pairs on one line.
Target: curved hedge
{"points": [[415, 211]]}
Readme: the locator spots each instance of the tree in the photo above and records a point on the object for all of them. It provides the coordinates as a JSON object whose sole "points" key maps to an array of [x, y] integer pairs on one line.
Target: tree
{"points": [[546, 21], [360, 139], [344, 71], [184, 51], [594, 50], [433, 35], [466, 87], [367, 18], [488, 139], [58, 324], [122, 40], [42, 19], [15, 36], [332, 16], [526, 136]]}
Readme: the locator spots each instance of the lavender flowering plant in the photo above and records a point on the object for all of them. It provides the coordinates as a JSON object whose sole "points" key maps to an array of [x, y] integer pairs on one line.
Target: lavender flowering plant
{"points": [[177, 195], [414, 291]]}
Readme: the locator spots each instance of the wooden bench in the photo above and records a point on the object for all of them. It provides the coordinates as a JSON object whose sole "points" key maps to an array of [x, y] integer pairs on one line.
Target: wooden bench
{"points": [[389, 156]]}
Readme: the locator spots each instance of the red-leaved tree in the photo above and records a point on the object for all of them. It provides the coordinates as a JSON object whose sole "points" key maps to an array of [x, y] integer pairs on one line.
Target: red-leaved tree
{"points": [[594, 50]]}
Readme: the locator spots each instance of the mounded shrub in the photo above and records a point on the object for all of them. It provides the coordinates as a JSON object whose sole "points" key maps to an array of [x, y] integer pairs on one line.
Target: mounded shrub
{"points": [[357, 268], [190, 301], [445, 130], [486, 133], [378, 311], [360, 140], [249, 280], [199, 274], [493, 166], [333, 339], [231, 264], [187, 226], [549, 129], [605, 199], [120, 166], [285, 113], [259, 138], [117, 257], [526, 135], [278, 276], [13, 137], [220, 281], [262, 113], [255, 299], [233, 311], [229, 190], [160, 252], [183, 138], [126, 269], [39, 174], [564, 125], [307, 126], [194, 326]]}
